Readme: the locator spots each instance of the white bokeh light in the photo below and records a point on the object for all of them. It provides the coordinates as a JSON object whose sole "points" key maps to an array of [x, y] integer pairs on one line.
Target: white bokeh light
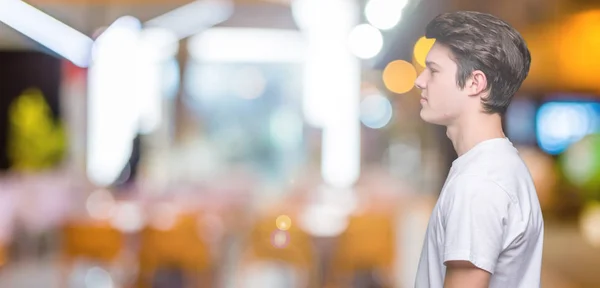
{"points": [[164, 216], [323, 220], [100, 204], [323, 16], [128, 217], [384, 14], [97, 277], [375, 111], [365, 41]]}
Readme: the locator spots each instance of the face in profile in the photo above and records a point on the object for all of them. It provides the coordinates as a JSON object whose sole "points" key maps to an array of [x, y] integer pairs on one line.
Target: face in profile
{"points": [[442, 100]]}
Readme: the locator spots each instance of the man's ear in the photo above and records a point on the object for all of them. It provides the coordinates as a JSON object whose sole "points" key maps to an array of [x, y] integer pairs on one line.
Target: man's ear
{"points": [[476, 84]]}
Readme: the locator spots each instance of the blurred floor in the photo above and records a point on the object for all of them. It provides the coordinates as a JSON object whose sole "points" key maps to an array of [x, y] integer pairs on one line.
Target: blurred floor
{"points": [[31, 274], [566, 257]]}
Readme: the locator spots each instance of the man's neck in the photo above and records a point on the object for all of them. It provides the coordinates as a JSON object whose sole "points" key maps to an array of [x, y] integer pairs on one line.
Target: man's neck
{"points": [[470, 131]]}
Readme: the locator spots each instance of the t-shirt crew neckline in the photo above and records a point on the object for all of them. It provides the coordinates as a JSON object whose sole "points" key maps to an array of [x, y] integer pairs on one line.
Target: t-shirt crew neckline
{"points": [[458, 161]]}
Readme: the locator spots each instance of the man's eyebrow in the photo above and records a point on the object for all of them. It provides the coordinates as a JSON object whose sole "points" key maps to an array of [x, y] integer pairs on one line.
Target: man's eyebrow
{"points": [[431, 63]]}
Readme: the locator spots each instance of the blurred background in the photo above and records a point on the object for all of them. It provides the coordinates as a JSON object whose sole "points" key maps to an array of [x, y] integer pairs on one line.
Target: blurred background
{"points": [[266, 143]]}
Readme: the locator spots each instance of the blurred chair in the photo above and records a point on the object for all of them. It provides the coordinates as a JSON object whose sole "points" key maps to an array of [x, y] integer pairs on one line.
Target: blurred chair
{"points": [[178, 249], [277, 256], [93, 241], [97, 241], [364, 252]]}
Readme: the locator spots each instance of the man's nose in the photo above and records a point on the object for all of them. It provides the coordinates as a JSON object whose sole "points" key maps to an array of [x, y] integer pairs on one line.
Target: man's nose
{"points": [[420, 82]]}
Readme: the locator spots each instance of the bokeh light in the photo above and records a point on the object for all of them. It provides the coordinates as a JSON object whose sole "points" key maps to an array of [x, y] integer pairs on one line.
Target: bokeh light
{"points": [[581, 164], [283, 222], [399, 76], [590, 223], [365, 41], [128, 217], [323, 15], [324, 220], [560, 124], [280, 239], [384, 14], [375, 111], [421, 50], [164, 216], [97, 277], [100, 204]]}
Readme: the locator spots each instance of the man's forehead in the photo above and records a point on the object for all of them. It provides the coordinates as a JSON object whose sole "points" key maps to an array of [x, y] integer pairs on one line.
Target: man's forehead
{"points": [[439, 54]]}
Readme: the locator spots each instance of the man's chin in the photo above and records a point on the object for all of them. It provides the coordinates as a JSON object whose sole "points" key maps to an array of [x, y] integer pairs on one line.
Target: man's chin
{"points": [[429, 119], [424, 116]]}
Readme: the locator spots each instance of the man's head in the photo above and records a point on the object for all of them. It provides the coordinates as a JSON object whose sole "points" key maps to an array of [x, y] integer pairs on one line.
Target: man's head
{"points": [[477, 64]]}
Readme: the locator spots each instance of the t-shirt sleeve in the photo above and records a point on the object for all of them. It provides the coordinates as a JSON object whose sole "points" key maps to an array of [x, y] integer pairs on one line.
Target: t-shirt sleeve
{"points": [[475, 213]]}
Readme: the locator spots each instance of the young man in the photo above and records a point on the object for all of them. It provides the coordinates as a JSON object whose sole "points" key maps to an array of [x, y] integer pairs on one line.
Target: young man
{"points": [[486, 229]]}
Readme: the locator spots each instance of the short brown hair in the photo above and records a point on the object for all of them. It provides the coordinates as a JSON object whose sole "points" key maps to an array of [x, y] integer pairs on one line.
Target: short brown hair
{"points": [[480, 41]]}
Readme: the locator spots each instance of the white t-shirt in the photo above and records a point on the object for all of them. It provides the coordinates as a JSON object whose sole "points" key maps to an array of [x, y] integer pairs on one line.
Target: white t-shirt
{"points": [[488, 213]]}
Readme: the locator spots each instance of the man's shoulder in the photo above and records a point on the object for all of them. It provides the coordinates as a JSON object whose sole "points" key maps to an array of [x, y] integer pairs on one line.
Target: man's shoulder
{"points": [[473, 180], [475, 188], [494, 162], [505, 169]]}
